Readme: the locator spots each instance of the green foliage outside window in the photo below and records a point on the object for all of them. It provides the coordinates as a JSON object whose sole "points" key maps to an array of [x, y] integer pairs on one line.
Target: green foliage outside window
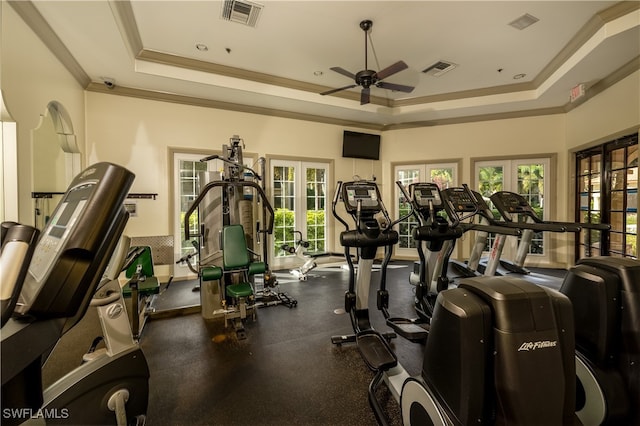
{"points": [[284, 225]]}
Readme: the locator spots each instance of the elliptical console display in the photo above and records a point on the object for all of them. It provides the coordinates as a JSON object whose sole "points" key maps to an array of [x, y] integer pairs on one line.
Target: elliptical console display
{"points": [[364, 194], [64, 265]]}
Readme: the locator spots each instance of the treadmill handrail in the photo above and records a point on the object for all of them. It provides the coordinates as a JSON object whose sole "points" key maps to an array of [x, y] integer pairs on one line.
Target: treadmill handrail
{"points": [[535, 226], [494, 229]]}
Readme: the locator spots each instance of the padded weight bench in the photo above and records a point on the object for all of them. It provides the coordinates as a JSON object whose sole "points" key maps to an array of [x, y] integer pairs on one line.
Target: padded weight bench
{"points": [[142, 286], [234, 275]]}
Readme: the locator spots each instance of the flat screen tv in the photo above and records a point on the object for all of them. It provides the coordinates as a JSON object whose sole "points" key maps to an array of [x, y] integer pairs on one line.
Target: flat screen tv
{"points": [[360, 145]]}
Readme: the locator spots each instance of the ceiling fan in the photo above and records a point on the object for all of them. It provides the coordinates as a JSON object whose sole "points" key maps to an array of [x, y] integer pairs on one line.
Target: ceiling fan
{"points": [[367, 78]]}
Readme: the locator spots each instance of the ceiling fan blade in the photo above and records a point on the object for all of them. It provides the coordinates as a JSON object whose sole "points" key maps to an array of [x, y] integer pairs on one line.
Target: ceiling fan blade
{"points": [[396, 87], [392, 69], [343, 72], [328, 92], [364, 96]]}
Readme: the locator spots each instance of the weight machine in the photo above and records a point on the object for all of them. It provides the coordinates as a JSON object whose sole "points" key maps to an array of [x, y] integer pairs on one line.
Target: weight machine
{"points": [[234, 196]]}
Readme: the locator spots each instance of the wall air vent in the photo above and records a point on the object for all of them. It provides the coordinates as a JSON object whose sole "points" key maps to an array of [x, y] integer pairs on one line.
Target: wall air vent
{"points": [[439, 68], [242, 12]]}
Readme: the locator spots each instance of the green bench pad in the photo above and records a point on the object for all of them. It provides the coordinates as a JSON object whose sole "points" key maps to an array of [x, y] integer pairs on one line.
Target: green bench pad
{"points": [[239, 290]]}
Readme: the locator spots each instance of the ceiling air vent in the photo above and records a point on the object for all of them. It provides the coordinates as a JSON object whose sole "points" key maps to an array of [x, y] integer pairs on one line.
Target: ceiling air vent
{"points": [[439, 68], [243, 12]]}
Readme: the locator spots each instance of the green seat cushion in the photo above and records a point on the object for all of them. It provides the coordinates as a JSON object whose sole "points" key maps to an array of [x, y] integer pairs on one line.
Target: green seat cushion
{"points": [[145, 288], [239, 290]]}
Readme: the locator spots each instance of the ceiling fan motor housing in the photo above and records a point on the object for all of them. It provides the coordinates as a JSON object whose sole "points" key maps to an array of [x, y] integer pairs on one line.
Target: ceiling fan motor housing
{"points": [[366, 78]]}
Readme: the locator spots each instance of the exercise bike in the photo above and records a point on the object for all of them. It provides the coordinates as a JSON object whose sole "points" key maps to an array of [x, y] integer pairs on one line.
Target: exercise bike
{"points": [[65, 270], [499, 349], [299, 249]]}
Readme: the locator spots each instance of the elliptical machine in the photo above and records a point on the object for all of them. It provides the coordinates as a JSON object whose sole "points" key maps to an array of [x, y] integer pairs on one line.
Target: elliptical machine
{"points": [[66, 267], [436, 238], [605, 294], [500, 349], [363, 201]]}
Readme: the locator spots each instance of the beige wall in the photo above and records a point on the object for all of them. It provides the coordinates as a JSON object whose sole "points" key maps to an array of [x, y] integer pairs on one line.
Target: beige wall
{"points": [[614, 112], [31, 78], [138, 133]]}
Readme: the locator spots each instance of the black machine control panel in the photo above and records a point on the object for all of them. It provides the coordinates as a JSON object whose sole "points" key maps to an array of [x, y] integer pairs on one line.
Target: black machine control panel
{"points": [[460, 200], [423, 193], [366, 193], [510, 202]]}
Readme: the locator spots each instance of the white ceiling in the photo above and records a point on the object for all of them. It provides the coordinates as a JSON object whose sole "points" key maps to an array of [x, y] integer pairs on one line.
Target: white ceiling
{"points": [[149, 49]]}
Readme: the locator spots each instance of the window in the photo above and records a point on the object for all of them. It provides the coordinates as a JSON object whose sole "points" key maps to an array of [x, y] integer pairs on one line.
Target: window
{"points": [[444, 174], [299, 191], [607, 192], [526, 177]]}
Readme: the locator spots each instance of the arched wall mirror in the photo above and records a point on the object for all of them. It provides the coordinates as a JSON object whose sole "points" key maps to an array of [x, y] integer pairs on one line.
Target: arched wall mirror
{"points": [[55, 160]]}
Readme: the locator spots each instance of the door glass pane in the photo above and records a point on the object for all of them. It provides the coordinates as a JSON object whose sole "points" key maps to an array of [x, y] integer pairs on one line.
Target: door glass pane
{"points": [[443, 177], [490, 180], [618, 158], [530, 182], [189, 191], [284, 208], [316, 201], [595, 163], [407, 177]]}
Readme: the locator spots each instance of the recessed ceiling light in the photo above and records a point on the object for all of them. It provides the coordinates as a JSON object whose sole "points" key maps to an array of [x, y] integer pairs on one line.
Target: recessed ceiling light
{"points": [[519, 76], [318, 73], [202, 47]]}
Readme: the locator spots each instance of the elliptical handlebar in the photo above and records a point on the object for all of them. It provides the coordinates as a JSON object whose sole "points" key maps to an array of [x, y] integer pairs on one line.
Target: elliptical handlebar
{"points": [[336, 198], [409, 198]]}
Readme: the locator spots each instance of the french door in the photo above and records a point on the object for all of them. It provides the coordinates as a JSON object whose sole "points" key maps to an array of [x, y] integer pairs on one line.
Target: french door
{"points": [[299, 193], [607, 192], [527, 177], [443, 174]]}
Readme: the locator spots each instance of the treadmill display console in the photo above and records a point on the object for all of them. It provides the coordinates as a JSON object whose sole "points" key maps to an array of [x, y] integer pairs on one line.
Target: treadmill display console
{"points": [[367, 194], [459, 199], [510, 202]]}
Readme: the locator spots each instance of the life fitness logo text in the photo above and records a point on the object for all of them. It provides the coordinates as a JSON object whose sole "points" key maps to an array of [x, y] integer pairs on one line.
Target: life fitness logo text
{"points": [[541, 344]]}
